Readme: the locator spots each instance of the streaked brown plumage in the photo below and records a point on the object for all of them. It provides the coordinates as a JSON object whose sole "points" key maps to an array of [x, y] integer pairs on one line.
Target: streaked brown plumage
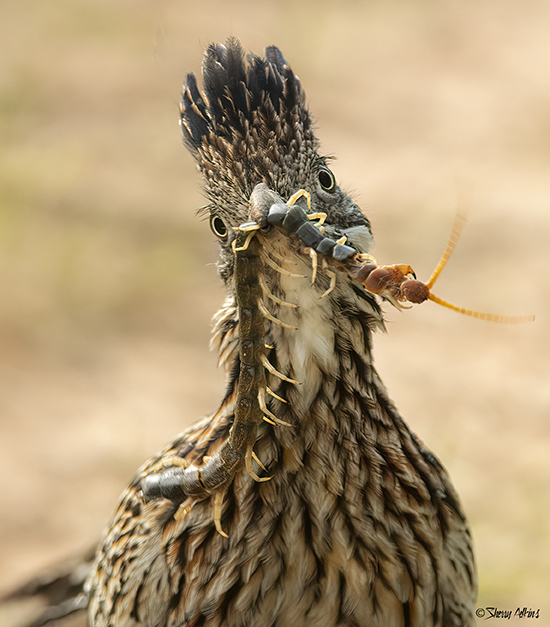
{"points": [[359, 525]]}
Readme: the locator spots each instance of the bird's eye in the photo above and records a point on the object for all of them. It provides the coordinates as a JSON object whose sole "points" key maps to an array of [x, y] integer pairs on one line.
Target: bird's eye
{"points": [[326, 179], [218, 227]]}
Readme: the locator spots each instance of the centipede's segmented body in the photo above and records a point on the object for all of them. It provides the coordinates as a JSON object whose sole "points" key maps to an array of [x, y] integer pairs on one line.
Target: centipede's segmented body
{"points": [[396, 283], [200, 482], [294, 220]]}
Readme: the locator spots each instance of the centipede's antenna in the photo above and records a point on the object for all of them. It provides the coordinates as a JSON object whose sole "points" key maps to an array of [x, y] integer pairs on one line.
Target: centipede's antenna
{"points": [[456, 231], [480, 314]]}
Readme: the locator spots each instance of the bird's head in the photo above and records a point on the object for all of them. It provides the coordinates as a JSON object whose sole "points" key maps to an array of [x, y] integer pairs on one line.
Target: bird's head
{"points": [[248, 126]]}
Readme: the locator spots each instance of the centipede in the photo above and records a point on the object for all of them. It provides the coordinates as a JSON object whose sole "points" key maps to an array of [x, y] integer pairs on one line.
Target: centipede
{"points": [[395, 283]]}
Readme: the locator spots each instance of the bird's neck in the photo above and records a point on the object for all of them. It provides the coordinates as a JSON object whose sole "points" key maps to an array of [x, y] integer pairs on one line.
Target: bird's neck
{"points": [[328, 353], [331, 347]]}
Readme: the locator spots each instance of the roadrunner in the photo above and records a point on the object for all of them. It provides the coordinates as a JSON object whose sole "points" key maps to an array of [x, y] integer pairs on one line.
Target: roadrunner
{"points": [[305, 500]]}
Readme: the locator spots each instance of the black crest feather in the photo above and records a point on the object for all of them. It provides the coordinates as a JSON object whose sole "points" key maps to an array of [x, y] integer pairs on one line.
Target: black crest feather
{"points": [[250, 124]]}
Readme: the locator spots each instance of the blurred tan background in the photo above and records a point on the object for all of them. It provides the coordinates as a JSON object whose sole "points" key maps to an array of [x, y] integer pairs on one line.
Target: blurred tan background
{"points": [[107, 282]]}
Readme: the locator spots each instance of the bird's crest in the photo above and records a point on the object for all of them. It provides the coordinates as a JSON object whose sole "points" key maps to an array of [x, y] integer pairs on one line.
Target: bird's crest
{"points": [[248, 125]]}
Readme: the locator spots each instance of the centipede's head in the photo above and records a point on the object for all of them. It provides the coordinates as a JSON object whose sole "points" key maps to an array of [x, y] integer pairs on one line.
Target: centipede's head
{"points": [[250, 125]]}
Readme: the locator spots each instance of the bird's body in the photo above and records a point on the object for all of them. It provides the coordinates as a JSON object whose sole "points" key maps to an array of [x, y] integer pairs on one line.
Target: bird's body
{"points": [[359, 524]]}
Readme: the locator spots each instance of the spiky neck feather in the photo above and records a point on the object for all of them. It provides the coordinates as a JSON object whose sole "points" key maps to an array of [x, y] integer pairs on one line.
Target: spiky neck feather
{"points": [[324, 340]]}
